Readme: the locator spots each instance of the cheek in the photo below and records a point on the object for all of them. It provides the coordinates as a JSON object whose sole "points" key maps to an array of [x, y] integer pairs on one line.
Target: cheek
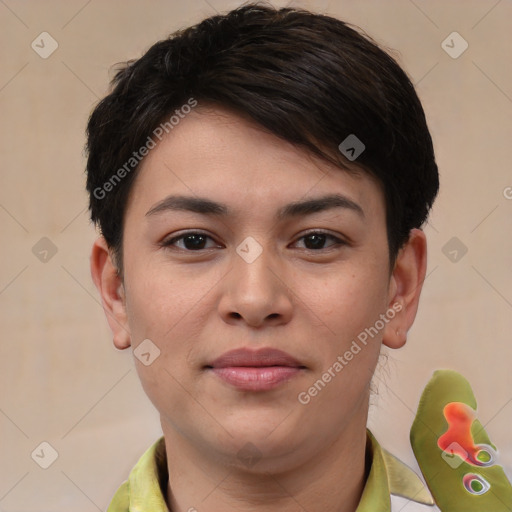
{"points": [[169, 309], [350, 302], [159, 302], [165, 312], [349, 307]]}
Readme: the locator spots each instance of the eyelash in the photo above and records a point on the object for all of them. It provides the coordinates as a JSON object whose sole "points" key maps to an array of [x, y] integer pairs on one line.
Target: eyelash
{"points": [[169, 243]]}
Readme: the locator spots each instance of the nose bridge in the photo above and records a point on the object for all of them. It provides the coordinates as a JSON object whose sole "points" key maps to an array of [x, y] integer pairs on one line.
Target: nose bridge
{"points": [[253, 266], [255, 290]]}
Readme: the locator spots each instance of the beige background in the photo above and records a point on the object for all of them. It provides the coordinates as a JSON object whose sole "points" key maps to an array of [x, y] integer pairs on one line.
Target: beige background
{"points": [[62, 381]]}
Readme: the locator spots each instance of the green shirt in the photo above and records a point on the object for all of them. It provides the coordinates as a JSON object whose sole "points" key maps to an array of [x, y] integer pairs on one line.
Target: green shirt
{"points": [[391, 485]]}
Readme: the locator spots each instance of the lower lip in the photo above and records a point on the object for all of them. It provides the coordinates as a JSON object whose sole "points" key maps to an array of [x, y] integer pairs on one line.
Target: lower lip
{"points": [[253, 378]]}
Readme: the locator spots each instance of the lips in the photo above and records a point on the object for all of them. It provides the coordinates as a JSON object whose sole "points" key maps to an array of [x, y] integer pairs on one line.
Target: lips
{"points": [[255, 358], [255, 370]]}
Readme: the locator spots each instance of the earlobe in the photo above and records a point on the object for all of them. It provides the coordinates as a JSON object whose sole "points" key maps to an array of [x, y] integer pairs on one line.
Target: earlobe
{"points": [[110, 285], [405, 288]]}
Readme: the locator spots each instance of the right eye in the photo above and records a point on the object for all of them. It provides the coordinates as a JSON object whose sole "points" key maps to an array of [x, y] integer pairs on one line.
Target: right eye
{"points": [[192, 241]]}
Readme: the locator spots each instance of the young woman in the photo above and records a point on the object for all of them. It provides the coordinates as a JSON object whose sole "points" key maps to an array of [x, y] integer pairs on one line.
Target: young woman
{"points": [[260, 181]]}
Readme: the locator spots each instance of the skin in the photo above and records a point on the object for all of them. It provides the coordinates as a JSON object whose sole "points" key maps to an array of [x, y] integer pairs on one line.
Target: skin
{"points": [[308, 300]]}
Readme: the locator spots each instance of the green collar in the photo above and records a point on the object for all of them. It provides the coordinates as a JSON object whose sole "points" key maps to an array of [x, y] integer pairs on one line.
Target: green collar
{"points": [[388, 475]]}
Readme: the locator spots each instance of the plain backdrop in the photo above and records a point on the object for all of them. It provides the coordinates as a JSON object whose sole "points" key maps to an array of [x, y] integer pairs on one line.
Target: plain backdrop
{"points": [[61, 380]]}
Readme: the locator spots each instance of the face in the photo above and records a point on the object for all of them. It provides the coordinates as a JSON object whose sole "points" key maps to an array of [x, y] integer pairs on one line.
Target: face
{"points": [[284, 253]]}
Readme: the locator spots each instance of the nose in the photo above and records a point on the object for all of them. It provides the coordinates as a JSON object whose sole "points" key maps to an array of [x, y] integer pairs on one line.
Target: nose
{"points": [[255, 292]]}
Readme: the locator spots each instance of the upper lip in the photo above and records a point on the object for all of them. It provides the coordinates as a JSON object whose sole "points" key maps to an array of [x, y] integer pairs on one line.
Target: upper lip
{"points": [[255, 358]]}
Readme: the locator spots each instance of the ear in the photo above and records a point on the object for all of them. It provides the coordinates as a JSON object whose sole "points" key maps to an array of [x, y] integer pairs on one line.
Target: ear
{"points": [[405, 287], [110, 285]]}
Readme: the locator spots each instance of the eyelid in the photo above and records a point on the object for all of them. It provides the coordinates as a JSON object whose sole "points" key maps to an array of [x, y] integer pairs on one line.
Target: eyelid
{"points": [[168, 241], [319, 231], [338, 239]]}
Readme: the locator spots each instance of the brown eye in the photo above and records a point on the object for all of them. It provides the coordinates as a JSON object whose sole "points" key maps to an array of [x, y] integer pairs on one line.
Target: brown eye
{"points": [[192, 241], [316, 240]]}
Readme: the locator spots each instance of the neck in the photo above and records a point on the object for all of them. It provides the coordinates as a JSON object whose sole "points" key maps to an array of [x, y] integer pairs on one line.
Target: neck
{"points": [[332, 479]]}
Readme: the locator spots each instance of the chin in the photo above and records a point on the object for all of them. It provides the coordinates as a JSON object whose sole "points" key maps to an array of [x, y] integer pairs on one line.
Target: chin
{"points": [[269, 435]]}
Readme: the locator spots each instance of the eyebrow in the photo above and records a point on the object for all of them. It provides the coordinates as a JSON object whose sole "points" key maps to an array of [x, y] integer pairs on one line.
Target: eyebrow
{"points": [[206, 206]]}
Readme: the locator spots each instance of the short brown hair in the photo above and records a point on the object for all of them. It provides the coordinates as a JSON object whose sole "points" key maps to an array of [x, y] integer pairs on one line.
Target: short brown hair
{"points": [[310, 79]]}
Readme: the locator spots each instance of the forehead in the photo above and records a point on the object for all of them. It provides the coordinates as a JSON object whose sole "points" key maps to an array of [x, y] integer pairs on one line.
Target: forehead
{"points": [[217, 153]]}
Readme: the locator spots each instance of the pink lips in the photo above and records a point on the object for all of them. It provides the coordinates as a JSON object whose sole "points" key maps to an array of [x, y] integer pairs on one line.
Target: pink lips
{"points": [[255, 370]]}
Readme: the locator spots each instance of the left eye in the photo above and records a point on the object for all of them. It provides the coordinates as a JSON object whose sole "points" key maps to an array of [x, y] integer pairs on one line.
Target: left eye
{"points": [[317, 240]]}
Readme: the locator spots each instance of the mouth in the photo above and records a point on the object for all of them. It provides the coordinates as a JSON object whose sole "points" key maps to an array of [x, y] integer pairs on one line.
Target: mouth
{"points": [[255, 370]]}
